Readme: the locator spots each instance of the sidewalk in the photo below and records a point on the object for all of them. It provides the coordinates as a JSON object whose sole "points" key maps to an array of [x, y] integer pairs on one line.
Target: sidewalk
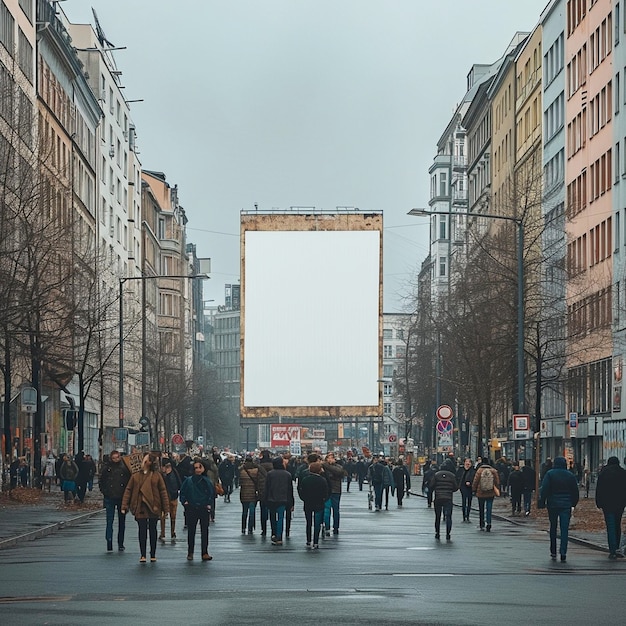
{"points": [[26, 522]]}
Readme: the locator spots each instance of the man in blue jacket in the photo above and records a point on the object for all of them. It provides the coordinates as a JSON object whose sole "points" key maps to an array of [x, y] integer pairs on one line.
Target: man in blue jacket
{"points": [[559, 492]]}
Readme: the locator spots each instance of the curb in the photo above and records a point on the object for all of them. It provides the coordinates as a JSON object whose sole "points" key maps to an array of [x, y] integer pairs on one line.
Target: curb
{"points": [[571, 538], [47, 530]]}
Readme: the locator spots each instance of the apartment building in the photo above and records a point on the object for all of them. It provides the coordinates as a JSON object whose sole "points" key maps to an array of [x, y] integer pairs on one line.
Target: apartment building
{"points": [[589, 97]]}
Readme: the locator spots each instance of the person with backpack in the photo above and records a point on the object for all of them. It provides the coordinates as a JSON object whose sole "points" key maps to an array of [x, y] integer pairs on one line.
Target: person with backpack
{"points": [[375, 476], [486, 486]]}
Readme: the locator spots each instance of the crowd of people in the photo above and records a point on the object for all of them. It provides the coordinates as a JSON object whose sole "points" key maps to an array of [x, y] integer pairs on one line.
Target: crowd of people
{"points": [[270, 484]]}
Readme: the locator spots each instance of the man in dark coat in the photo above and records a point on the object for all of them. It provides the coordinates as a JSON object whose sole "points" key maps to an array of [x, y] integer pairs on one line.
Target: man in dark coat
{"points": [[443, 484], [278, 496], [428, 476], [611, 498], [112, 483], [465, 478], [559, 492], [516, 487]]}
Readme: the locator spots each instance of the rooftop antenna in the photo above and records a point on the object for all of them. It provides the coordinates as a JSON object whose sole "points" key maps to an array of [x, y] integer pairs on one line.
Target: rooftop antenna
{"points": [[104, 42]]}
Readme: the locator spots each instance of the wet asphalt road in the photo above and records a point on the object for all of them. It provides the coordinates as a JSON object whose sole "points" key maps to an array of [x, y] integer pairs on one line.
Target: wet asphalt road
{"points": [[385, 567]]}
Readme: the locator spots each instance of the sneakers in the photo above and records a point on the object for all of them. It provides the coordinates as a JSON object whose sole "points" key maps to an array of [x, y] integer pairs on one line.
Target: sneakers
{"points": [[277, 542], [436, 535], [527, 513], [162, 539], [142, 559], [335, 531], [316, 546], [121, 548], [190, 557], [153, 559], [308, 545], [612, 556]]}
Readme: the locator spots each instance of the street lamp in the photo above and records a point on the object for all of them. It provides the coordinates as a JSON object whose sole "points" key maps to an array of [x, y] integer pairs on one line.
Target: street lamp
{"points": [[520, 291], [122, 281]]}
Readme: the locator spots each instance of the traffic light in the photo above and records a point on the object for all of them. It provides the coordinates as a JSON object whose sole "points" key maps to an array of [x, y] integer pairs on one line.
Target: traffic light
{"points": [[70, 419]]}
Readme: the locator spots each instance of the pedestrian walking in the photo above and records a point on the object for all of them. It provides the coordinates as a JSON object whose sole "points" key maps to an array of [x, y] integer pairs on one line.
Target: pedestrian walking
{"points": [[112, 483], [388, 483], [530, 478], [486, 487], [250, 485], [429, 474], [146, 498], [402, 480], [266, 463], [334, 474], [212, 472], [443, 485], [49, 471], [83, 476], [361, 471], [465, 478], [68, 473], [172, 484], [278, 496], [226, 471], [516, 488], [559, 492], [91, 471], [313, 491], [611, 498], [197, 494]]}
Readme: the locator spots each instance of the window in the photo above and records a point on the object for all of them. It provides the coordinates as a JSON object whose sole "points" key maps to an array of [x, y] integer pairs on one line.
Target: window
{"points": [[387, 389], [443, 265], [387, 371], [388, 352], [387, 408], [387, 333], [27, 8], [443, 226], [400, 351], [25, 56], [400, 333]]}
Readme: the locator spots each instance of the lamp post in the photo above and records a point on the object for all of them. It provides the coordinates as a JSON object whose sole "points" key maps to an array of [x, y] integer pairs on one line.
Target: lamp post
{"points": [[122, 281], [520, 291]]}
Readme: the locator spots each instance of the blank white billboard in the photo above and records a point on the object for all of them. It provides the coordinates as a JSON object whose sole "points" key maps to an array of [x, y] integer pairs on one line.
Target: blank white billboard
{"points": [[311, 319]]}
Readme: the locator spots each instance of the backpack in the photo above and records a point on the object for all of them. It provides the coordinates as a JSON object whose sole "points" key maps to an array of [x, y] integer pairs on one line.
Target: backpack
{"points": [[486, 480]]}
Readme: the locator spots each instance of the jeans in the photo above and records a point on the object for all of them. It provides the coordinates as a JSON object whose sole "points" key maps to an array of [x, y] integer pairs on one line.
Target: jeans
{"points": [[197, 514], [313, 523], [332, 504], [613, 521], [444, 506], [145, 525], [111, 504], [528, 494], [277, 519], [248, 512], [378, 495], [562, 517], [466, 502], [485, 505]]}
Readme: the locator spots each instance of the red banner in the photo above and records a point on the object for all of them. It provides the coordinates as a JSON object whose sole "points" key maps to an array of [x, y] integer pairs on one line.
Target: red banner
{"points": [[281, 435]]}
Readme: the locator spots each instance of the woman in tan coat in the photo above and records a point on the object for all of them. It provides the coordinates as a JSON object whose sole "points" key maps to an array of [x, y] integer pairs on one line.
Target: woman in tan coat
{"points": [[146, 498]]}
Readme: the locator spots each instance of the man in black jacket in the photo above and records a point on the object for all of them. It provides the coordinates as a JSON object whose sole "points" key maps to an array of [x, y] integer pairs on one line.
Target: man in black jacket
{"points": [[465, 478], [443, 484], [611, 498], [112, 482]]}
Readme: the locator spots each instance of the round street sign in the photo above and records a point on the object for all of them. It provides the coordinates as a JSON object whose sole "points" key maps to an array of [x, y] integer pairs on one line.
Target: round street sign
{"points": [[393, 438], [444, 412], [178, 440], [444, 427]]}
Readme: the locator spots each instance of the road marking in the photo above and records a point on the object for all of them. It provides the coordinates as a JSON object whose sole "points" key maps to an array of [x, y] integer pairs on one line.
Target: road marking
{"points": [[423, 575], [422, 548]]}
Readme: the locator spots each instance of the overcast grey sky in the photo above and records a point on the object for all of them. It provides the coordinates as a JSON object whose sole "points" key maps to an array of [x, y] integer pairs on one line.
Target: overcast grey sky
{"points": [[316, 103]]}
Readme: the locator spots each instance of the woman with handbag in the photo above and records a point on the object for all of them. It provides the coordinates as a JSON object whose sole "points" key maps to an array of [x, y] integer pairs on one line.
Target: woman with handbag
{"points": [[249, 485], [197, 493], [146, 498]]}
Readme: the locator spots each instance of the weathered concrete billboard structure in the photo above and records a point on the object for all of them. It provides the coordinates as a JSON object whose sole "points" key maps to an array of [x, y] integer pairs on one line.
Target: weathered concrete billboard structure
{"points": [[311, 314]]}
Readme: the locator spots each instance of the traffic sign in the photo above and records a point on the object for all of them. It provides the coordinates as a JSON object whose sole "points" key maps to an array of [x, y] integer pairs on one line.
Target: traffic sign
{"points": [[393, 438], [573, 420], [444, 412], [178, 440], [444, 427]]}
